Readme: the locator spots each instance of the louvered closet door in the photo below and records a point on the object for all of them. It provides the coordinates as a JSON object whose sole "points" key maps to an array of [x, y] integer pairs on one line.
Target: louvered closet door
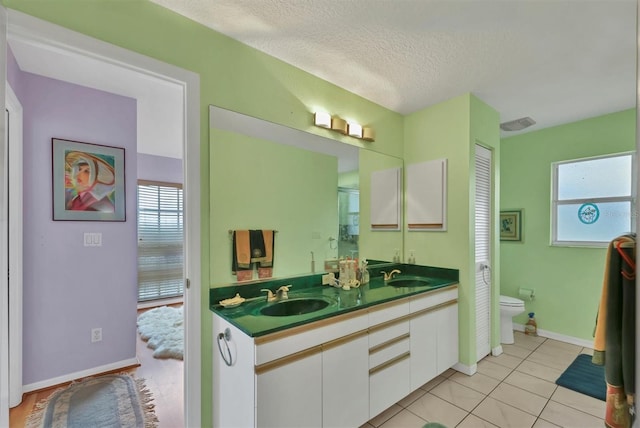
{"points": [[483, 251]]}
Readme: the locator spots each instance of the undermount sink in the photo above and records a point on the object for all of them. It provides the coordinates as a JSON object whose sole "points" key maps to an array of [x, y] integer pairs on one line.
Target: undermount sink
{"points": [[285, 308], [408, 281]]}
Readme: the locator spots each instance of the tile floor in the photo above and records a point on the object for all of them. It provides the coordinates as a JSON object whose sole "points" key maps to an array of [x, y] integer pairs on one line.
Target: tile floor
{"points": [[516, 389]]}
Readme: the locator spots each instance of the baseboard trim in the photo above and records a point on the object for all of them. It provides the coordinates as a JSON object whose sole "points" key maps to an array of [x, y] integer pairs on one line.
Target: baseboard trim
{"points": [[496, 351], [558, 336], [44, 384], [468, 370]]}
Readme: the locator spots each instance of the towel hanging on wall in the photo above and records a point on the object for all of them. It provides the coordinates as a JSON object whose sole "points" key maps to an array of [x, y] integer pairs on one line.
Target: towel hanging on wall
{"points": [[614, 338], [249, 247]]}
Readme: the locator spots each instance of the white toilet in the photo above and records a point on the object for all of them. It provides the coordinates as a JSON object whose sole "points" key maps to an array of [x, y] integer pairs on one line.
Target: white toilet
{"points": [[509, 308]]}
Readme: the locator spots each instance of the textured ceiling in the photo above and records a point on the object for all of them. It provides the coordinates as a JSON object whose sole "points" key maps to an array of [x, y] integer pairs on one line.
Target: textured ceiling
{"points": [[556, 61]]}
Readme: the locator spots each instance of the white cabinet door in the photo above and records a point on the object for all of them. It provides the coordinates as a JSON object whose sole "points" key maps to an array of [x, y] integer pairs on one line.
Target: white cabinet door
{"points": [[424, 336], [389, 385], [447, 337], [345, 383], [290, 395]]}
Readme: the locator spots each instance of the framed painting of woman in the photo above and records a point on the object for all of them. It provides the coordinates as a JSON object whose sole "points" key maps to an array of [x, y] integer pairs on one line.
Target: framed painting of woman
{"points": [[88, 181]]}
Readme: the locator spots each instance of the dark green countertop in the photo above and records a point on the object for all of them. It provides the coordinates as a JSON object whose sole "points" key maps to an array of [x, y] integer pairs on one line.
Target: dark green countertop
{"points": [[247, 316]]}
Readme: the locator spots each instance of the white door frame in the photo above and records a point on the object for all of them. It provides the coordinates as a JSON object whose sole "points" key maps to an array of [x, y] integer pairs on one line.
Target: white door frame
{"points": [[15, 244], [58, 38], [4, 301]]}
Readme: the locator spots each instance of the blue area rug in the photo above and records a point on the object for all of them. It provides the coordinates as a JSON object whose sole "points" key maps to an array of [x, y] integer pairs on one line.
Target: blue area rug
{"points": [[114, 401], [585, 377]]}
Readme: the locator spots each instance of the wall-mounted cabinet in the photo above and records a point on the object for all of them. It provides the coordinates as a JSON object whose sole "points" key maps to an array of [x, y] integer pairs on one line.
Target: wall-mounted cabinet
{"points": [[386, 205], [427, 195]]}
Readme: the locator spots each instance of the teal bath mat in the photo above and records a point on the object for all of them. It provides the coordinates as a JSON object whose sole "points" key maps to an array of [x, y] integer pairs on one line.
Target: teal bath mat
{"points": [[585, 377]]}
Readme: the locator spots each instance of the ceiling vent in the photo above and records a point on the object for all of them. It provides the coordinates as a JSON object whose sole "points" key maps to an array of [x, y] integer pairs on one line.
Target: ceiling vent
{"points": [[518, 124]]}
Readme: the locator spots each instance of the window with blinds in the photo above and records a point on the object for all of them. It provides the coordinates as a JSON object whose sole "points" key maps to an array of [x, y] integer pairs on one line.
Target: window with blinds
{"points": [[160, 240]]}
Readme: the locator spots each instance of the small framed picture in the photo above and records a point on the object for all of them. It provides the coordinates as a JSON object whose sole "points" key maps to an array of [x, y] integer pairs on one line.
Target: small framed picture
{"points": [[511, 225], [88, 181]]}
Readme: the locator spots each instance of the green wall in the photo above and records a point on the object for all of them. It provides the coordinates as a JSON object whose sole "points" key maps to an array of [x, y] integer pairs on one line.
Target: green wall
{"points": [[232, 76], [567, 281], [450, 130], [271, 186]]}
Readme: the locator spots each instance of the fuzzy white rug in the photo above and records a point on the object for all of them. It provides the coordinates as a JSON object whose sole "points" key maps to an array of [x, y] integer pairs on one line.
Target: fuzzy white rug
{"points": [[163, 330]]}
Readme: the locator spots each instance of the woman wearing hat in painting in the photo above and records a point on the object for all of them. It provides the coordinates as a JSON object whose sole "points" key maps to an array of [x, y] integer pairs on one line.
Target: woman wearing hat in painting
{"points": [[89, 183]]}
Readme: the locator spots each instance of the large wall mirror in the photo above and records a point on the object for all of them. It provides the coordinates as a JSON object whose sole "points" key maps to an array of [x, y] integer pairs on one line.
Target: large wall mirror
{"points": [[313, 191]]}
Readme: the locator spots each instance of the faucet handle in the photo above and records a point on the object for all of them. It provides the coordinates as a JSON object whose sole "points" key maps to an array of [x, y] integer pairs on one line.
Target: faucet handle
{"points": [[270, 295], [283, 291]]}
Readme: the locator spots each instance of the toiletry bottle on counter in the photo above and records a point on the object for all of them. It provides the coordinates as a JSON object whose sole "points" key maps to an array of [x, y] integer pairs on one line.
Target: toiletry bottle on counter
{"points": [[531, 328]]}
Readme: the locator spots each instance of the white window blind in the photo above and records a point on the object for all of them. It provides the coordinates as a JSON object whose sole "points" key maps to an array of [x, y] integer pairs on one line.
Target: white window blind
{"points": [[160, 240]]}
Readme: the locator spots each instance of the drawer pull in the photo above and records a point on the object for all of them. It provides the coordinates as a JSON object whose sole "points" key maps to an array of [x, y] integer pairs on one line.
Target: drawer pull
{"points": [[262, 368], [389, 363], [388, 343]]}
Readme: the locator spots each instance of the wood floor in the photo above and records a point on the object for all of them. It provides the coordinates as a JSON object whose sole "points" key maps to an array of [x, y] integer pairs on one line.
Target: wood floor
{"points": [[164, 378]]}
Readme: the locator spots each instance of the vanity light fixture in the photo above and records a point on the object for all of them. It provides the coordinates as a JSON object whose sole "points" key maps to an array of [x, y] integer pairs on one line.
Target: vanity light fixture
{"points": [[335, 123], [339, 125], [322, 119], [368, 134], [354, 130]]}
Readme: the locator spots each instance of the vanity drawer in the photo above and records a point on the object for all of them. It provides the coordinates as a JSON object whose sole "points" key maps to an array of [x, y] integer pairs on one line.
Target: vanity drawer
{"points": [[384, 333], [388, 311], [388, 351], [433, 298], [296, 339]]}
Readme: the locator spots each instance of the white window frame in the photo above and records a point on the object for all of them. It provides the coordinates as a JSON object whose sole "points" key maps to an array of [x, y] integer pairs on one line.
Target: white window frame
{"points": [[555, 202]]}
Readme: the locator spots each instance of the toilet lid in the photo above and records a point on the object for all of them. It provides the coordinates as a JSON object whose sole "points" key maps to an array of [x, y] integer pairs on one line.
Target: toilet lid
{"points": [[510, 301]]}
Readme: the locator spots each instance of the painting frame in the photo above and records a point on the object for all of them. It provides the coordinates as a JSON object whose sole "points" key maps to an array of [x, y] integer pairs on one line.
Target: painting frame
{"points": [[511, 225], [88, 181]]}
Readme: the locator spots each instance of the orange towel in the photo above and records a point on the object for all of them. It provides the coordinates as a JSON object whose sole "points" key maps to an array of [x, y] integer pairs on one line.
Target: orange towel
{"points": [[243, 249]]}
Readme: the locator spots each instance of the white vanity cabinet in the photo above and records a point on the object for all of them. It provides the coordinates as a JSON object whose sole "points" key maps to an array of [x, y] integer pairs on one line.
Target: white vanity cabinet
{"points": [[337, 372], [345, 381], [434, 335], [290, 393]]}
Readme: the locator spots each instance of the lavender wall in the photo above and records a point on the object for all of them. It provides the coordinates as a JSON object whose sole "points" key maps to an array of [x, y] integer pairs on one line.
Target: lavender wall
{"points": [[159, 168], [68, 288]]}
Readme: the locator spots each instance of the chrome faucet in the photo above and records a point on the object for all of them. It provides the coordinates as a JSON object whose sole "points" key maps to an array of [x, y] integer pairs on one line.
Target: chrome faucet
{"points": [[281, 293], [388, 276]]}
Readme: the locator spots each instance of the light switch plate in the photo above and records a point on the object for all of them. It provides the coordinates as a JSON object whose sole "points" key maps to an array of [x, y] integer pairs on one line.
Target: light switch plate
{"points": [[93, 239]]}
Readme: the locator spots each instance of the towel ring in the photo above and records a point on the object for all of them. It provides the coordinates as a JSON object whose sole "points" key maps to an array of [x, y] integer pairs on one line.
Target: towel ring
{"points": [[225, 336]]}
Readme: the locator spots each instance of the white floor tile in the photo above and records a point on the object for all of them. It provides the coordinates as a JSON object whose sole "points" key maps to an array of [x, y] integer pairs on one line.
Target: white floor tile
{"points": [[459, 395], [516, 351], [496, 371], [539, 370], [435, 409], [386, 415], [579, 401], [568, 417], [538, 386], [505, 360], [503, 415], [472, 421], [404, 419], [519, 398], [480, 382]]}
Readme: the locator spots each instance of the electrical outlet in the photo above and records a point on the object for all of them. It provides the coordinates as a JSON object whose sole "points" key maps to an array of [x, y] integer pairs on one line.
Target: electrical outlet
{"points": [[96, 335]]}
